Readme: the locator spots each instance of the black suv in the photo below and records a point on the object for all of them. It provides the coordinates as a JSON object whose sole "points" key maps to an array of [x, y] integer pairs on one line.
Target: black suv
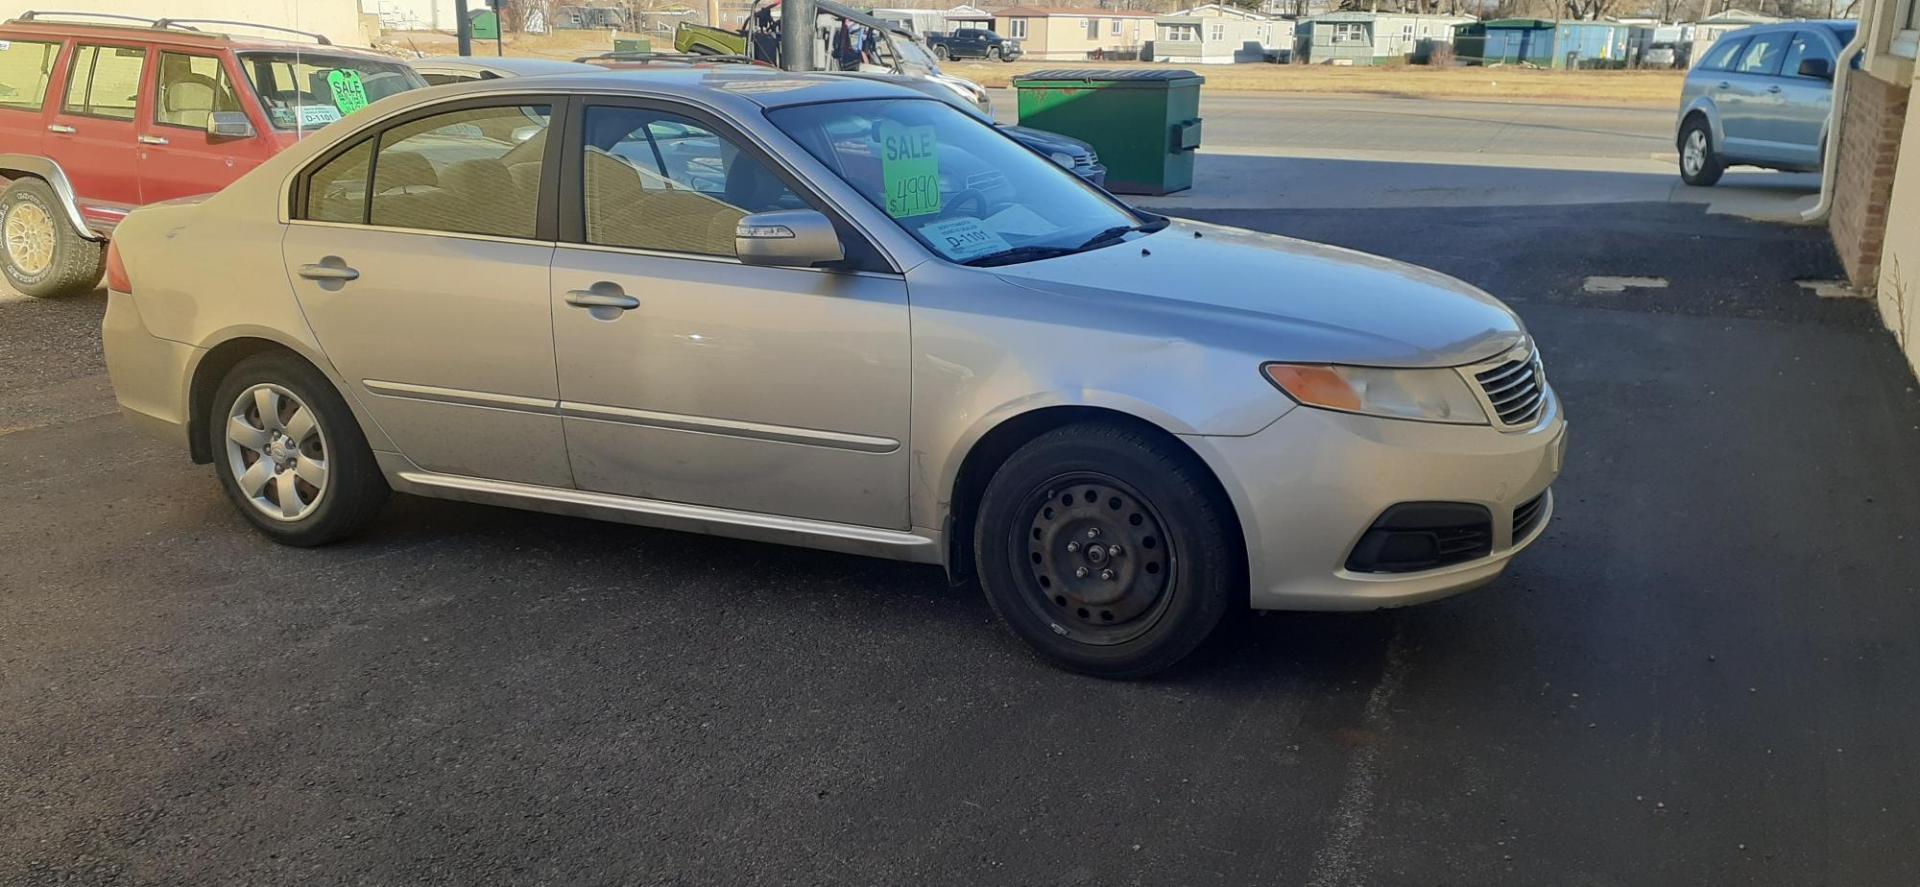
{"points": [[973, 43]]}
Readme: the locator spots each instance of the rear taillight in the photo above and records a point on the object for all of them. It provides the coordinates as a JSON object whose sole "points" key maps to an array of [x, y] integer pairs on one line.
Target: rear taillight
{"points": [[117, 280]]}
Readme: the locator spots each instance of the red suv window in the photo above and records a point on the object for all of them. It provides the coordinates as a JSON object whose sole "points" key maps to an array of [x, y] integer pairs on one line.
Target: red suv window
{"points": [[104, 81], [25, 68]]}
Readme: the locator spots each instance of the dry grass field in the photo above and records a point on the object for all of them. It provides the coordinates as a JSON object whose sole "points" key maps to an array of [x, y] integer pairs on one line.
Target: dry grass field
{"points": [[1623, 88]]}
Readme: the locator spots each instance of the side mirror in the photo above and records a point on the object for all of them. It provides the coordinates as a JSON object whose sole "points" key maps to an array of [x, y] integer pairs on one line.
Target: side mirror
{"points": [[1818, 68], [791, 238], [229, 125]]}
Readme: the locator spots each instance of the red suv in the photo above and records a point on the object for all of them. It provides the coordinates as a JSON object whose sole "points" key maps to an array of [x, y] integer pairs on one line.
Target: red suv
{"points": [[102, 113]]}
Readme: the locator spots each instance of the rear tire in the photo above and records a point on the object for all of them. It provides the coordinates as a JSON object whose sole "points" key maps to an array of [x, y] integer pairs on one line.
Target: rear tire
{"points": [[290, 454], [941, 53], [41, 254], [1700, 166], [1107, 549]]}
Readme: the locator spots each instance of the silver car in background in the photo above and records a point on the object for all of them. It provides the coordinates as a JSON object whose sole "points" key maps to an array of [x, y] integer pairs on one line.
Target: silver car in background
{"points": [[835, 313], [1760, 97]]}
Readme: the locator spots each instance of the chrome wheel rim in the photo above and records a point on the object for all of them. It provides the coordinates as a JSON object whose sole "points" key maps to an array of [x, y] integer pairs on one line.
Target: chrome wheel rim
{"points": [[29, 234], [277, 452], [1694, 155], [1095, 558]]}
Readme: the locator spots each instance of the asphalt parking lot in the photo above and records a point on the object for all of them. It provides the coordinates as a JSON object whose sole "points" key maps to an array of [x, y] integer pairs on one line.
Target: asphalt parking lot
{"points": [[1703, 674]]}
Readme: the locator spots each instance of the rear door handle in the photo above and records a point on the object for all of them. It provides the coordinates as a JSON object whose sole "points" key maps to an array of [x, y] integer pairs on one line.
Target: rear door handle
{"points": [[1724, 85], [152, 140], [60, 128], [1773, 89], [328, 272], [607, 296]]}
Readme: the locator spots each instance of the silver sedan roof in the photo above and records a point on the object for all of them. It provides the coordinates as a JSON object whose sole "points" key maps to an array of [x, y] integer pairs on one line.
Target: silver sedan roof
{"points": [[505, 67], [734, 87]]}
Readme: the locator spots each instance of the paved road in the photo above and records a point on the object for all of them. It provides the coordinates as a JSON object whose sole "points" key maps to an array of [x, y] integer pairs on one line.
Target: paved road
{"points": [[1704, 673], [1271, 151], [1305, 125]]}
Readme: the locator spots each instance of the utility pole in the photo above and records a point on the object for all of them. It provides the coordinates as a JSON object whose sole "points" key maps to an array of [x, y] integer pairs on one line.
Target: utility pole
{"points": [[798, 20], [463, 27]]}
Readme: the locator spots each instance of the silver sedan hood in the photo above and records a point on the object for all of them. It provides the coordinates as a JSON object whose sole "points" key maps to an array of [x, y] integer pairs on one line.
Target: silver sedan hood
{"points": [[1313, 303]]}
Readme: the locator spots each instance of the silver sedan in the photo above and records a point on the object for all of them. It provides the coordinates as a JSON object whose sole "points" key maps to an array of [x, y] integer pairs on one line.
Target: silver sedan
{"points": [[835, 313]]}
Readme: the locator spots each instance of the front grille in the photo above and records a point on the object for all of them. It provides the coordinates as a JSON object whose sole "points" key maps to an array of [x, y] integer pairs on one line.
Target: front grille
{"points": [[1527, 515], [1515, 389]]}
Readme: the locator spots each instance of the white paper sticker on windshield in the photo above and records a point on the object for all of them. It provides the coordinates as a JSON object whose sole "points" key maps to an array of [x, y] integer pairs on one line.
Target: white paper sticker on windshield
{"points": [[318, 115], [1019, 221], [962, 239]]}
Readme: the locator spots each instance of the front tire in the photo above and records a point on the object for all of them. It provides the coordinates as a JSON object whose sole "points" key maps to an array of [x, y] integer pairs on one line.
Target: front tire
{"points": [[1107, 549], [1700, 166], [41, 254], [289, 453]]}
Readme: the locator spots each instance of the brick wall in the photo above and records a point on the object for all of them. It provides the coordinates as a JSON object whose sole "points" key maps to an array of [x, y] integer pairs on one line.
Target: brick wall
{"points": [[1863, 175]]}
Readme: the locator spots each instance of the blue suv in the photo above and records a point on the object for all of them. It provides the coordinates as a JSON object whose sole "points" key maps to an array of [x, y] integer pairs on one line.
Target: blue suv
{"points": [[1760, 97]]}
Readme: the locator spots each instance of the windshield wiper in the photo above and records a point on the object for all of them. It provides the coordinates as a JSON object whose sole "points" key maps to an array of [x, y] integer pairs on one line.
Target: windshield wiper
{"points": [[1020, 254], [1036, 252], [1118, 231]]}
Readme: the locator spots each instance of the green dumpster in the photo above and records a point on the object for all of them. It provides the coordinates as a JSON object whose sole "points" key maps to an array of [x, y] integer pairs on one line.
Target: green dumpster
{"points": [[486, 24], [1144, 123], [630, 44]]}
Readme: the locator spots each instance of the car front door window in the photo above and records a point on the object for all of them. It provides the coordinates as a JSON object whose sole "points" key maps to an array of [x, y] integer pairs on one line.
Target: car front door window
{"points": [[1807, 47], [658, 181]]}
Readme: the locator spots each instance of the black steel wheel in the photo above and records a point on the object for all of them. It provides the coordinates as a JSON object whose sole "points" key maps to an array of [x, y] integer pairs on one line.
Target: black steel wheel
{"points": [[1108, 548], [1097, 556]]}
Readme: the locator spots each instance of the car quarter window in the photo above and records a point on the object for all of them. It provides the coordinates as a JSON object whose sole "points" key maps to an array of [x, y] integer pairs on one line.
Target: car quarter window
{"points": [[1805, 47], [189, 89], [1763, 55], [104, 81], [469, 171], [659, 181], [1720, 57], [25, 68]]}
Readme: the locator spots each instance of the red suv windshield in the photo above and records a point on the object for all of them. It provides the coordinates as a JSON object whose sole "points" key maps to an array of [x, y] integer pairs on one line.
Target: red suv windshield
{"points": [[308, 90]]}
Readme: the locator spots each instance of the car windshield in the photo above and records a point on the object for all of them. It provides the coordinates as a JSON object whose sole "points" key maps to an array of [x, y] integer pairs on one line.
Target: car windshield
{"points": [[956, 184], [304, 91], [912, 53]]}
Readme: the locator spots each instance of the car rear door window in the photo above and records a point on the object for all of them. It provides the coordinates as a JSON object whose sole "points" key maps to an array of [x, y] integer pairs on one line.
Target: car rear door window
{"points": [[1720, 57], [104, 81], [189, 89], [472, 171], [1806, 46], [658, 181], [25, 68], [1763, 55]]}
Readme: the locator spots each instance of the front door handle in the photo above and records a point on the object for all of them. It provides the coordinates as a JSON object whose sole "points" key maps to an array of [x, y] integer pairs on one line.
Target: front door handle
{"points": [[60, 128], [605, 297], [152, 140], [1773, 89], [328, 272], [1724, 85]]}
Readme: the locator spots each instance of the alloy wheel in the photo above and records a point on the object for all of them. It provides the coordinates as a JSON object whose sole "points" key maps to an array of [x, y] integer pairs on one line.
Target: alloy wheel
{"points": [[1096, 557], [277, 452], [1694, 155], [29, 237]]}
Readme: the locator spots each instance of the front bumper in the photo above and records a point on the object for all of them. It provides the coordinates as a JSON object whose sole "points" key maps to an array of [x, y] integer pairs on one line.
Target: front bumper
{"points": [[1307, 487]]}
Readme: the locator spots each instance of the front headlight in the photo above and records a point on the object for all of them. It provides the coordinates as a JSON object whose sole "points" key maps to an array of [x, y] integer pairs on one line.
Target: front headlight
{"points": [[1437, 395]]}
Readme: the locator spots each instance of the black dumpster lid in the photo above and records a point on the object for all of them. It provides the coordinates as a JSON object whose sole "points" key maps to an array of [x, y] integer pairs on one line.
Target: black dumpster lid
{"points": [[1127, 74]]}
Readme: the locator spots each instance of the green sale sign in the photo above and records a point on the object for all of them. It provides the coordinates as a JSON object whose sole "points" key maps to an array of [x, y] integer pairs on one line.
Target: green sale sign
{"points": [[349, 94], [910, 169]]}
